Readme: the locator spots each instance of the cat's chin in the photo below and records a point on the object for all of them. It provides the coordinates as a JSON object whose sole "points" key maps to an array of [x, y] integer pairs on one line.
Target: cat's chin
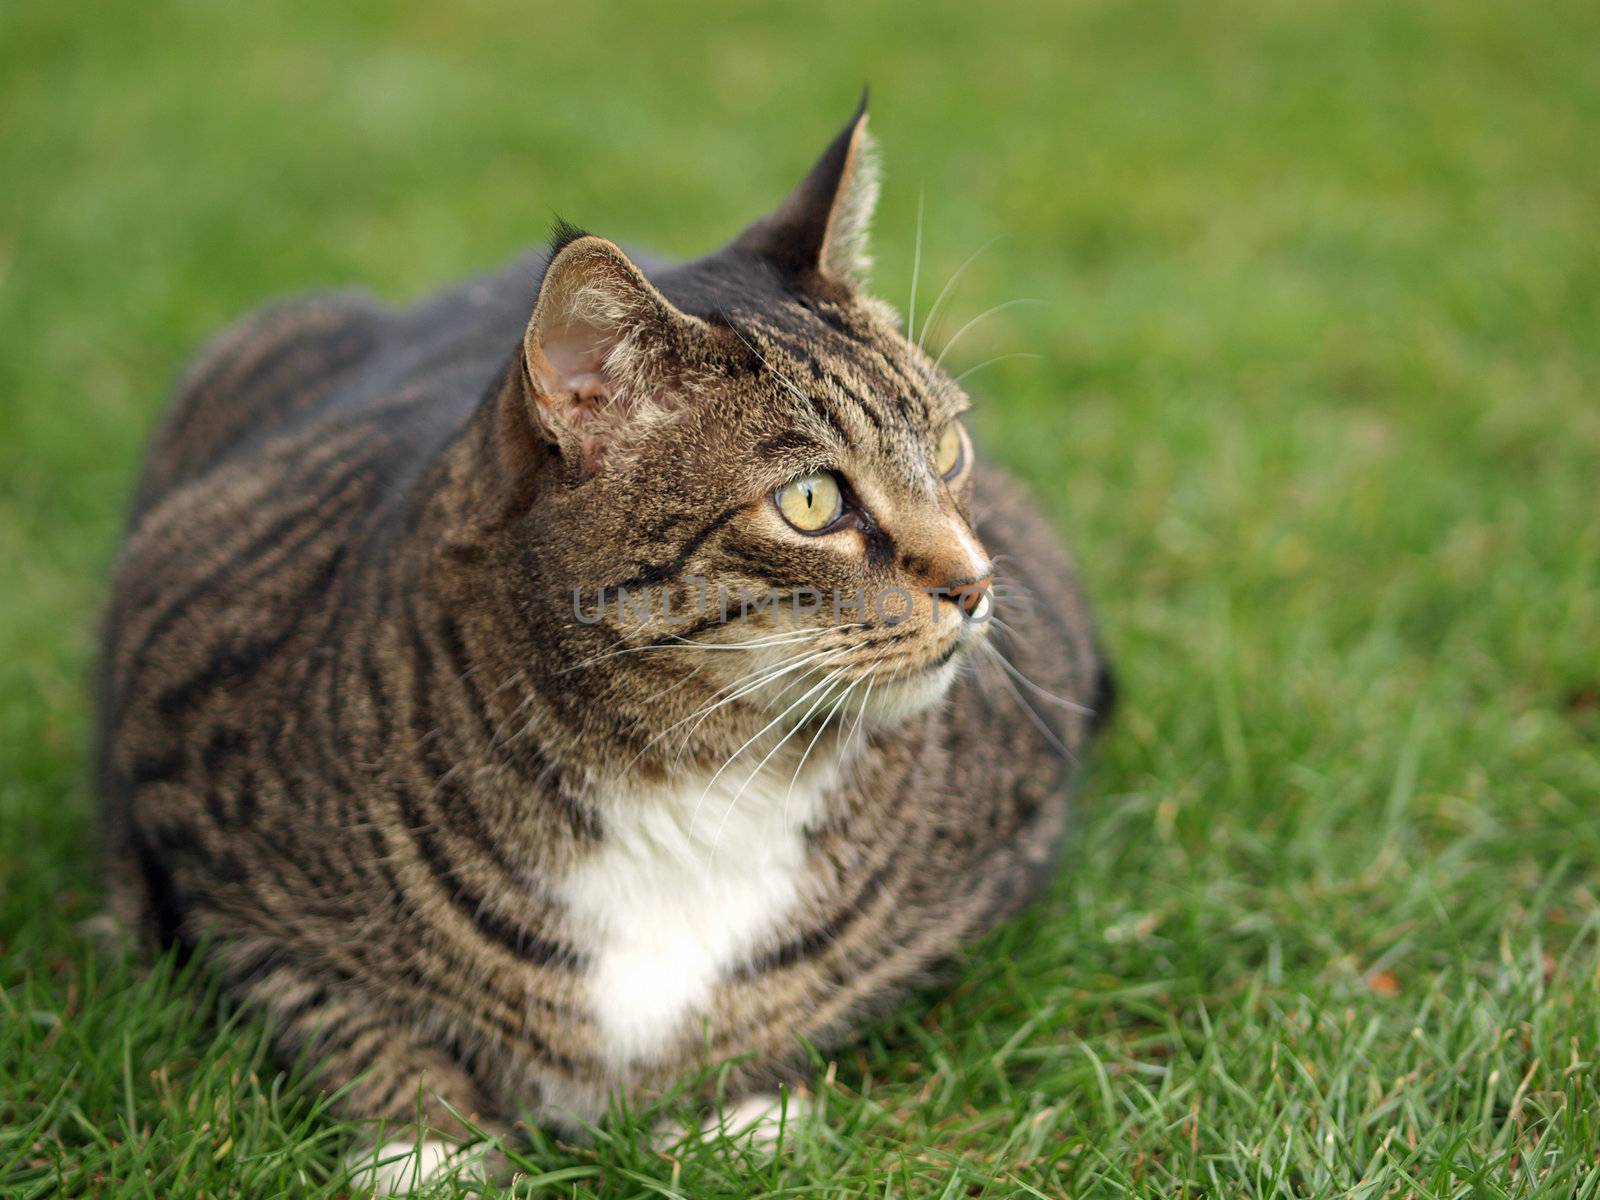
{"points": [[905, 696]]}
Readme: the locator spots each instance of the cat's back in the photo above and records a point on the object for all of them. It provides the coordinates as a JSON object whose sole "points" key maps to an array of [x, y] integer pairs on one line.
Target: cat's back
{"points": [[300, 371], [278, 473]]}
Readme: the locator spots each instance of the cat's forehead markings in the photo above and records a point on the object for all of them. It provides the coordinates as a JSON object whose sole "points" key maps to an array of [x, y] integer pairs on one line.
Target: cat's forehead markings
{"points": [[863, 385]]}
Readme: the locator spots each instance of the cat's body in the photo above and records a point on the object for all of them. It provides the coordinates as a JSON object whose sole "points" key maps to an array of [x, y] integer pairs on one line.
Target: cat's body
{"points": [[361, 745]]}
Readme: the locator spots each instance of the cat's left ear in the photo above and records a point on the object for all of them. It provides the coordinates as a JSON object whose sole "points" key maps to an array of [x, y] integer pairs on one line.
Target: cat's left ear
{"points": [[603, 352], [821, 230]]}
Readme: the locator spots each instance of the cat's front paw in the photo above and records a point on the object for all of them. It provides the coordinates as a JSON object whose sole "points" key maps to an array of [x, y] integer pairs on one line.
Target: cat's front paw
{"points": [[758, 1121], [400, 1168]]}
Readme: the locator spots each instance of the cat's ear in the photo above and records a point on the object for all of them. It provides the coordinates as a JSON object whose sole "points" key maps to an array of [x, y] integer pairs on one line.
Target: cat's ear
{"points": [[600, 349], [821, 229]]}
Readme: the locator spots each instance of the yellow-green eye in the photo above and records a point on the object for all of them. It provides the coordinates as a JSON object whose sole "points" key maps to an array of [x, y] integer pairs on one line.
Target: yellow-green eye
{"points": [[810, 503], [951, 454]]}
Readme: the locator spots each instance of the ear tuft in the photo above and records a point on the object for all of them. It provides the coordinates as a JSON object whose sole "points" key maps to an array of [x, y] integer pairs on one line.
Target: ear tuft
{"points": [[562, 234]]}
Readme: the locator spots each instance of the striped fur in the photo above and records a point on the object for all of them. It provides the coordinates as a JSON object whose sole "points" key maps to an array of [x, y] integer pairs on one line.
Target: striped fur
{"points": [[357, 749]]}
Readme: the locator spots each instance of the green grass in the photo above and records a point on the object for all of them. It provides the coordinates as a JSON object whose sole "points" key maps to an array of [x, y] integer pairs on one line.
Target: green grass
{"points": [[1318, 407]]}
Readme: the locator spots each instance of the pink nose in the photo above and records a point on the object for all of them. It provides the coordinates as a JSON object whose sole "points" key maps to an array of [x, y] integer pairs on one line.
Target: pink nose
{"points": [[974, 599]]}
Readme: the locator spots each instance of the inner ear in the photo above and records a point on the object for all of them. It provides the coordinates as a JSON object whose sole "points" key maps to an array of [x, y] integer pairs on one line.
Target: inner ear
{"points": [[602, 347], [592, 303], [574, 361]]}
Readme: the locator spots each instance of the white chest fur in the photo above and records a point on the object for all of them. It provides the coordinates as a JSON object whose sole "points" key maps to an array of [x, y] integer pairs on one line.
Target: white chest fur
{"points": [[687, 883]]}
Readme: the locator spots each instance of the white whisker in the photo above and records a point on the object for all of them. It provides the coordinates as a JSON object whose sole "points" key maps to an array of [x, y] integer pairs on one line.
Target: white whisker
{"points": [[1042, 693], [682, 643], [916, 271], [986, 313], [834, 711], [753, 738], [739, 688], [1028, 710], [866, 698], [822, 656], [716, 839], [959, 272], [782, 378], [989, 362]]}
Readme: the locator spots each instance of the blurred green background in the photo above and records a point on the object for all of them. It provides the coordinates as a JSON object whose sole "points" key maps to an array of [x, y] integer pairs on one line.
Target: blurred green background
{"points": [[1317, 404]]}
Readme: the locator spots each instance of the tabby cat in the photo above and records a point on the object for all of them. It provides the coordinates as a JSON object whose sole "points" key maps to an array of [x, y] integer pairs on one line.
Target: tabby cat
{"points": [[422, 720]]}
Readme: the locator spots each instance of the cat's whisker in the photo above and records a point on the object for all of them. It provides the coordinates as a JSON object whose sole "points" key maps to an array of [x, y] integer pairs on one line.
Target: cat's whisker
{"points": [[1010, 600], [1015, 591], [916, 271], [1000, 623], [826, 684], [515, 679], [866, 699], [989, 362], [1042, 693], [501, 737], [871, 680], [729, 694], [1011, 591], [782, 378], [758, 683], [1048, 734], [1002, 564], [933, 312], [983, 316], [739, 688], [744, 687], [680, 643], [832, 712], [783, 692], [684, 645], [676, 684], [620, 647], [710, 783]]}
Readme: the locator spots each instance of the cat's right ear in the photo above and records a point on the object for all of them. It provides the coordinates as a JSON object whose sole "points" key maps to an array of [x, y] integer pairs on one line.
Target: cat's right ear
{"points": [[819, 234], [601, 350]]}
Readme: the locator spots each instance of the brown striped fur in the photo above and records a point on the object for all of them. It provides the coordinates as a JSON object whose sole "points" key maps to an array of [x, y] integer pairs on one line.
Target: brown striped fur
{"points": [[354, 740]]}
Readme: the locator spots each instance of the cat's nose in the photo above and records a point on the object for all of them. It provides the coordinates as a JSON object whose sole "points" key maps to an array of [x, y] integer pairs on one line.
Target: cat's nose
{"points": [[944, 558], [974, 597]]}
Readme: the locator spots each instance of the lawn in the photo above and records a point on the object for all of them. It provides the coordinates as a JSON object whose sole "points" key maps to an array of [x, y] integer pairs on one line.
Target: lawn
{"points": [[1316, 401]]}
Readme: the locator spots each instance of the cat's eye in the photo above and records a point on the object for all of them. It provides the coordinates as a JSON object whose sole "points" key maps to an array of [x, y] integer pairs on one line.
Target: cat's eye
{"points": [[810, 503], [951, 453]]}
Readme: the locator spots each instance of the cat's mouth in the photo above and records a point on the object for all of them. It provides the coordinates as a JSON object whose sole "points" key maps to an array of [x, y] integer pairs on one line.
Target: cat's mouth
{"points": [[884, 681], [906, 689], [904, 694]]}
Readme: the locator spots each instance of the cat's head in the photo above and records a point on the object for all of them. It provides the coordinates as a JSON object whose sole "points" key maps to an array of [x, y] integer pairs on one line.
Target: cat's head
{"points": [[747, 451]]}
